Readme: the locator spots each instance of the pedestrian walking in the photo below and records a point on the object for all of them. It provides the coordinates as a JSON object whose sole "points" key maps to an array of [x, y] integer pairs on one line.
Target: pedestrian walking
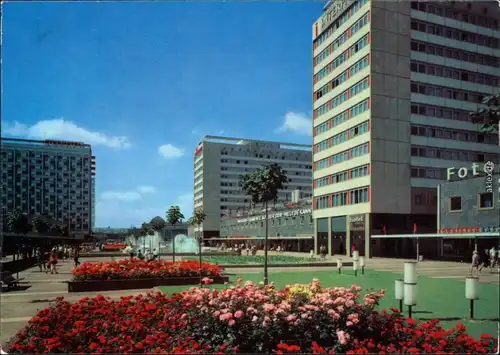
{"points": [[40, 259], [53, 263], [476, 263], [76, 256]]}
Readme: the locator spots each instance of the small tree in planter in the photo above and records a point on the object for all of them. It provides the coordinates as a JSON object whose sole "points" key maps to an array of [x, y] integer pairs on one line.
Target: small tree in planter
{"points": [[263, 185], [41, 224], [174, 216]]}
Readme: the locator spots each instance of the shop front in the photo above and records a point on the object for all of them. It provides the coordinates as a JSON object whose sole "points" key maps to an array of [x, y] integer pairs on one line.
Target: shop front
{"points": [[357, 227]]}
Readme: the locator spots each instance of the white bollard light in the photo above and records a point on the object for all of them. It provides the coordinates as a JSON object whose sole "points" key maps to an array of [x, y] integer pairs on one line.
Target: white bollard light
{"points": [[410, 285], [355, 255], [362, 264], [339, 265], [410, 272], [355, 267], [399, 292], [471, 292]]}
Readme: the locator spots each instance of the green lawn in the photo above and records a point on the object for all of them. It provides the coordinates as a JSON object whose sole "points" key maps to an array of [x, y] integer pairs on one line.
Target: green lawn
{"points": [[437, 298], [257, 259]]}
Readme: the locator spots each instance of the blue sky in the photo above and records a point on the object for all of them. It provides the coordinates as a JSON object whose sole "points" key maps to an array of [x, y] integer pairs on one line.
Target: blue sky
{"points": [[144, 82]]}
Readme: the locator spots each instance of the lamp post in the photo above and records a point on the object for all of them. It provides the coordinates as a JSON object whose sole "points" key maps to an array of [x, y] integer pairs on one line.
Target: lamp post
{"points": [[410, 285], [200, 239], [173, 249], [339, 265], [471, 285], [355, 267], [362, 264], [399, 294]]}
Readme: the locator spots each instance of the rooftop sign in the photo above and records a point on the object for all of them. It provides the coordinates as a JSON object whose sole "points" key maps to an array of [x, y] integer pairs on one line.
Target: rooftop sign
{"points": [[333, 12]]}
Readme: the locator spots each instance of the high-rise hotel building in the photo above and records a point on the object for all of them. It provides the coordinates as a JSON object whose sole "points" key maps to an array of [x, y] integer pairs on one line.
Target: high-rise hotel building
{"points": [[393, 84], [219, 162], [51, 178]]}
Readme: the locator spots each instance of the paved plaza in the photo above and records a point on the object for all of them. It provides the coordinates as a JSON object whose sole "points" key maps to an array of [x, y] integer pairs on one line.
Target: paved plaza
{"points": [[39, 289]]}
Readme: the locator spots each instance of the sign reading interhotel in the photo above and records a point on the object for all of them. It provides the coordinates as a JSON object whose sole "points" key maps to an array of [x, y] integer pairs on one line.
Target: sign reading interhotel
{"points": [[262, 217], [333, 12]]}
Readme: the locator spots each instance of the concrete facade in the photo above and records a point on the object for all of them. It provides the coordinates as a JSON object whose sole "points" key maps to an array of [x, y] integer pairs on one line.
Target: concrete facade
{"points": [[52, 178], [292, 221], [469, 203], [219, 162], [393, 84]]}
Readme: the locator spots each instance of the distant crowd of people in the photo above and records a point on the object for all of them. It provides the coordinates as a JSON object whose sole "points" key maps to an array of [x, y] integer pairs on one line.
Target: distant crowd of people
{"points": [[147, 254], [48, 259], [488, 258]]}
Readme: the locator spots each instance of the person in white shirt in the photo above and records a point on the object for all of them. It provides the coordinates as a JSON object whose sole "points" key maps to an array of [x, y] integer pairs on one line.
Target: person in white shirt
{"points": [[493, 257], [475, 263]]}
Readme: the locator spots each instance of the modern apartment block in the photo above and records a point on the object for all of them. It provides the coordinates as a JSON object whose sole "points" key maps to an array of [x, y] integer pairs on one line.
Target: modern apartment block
{"points": [[52, 178], [219, 162], [393, 84]]}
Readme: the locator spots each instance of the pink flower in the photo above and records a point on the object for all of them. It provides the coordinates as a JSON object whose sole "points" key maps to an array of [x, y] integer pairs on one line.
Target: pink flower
{"points": [[216, 313], [238, 314], [254, 319], [231, 322], [342, 336], [349, 323], [268, 307], [226, 316], [207, 281], [304, 315], [291, 318]]}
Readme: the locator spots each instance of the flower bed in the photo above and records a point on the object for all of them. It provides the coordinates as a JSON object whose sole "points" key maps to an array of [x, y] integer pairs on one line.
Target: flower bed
{"points": [[244, 318], [136, 269]]}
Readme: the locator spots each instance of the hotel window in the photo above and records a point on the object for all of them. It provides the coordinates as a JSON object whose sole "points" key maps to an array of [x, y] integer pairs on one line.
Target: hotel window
{"points": [[485, 200], [301, 219], [455, 204]]}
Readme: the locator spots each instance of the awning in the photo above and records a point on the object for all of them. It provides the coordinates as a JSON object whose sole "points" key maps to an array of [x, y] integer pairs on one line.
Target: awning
{"points": [[438, 235]]}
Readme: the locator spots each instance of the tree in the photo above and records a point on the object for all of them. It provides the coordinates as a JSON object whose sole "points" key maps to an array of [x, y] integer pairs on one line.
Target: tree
{"points": [[41, 224], [263, 186], [197, 219], [19, 222], [489, 116], [174, 216], [157, 223]]}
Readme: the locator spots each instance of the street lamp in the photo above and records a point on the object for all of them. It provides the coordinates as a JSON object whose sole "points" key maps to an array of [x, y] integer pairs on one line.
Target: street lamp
{"points": [[471, 292], [410, 285], [200, 240]]}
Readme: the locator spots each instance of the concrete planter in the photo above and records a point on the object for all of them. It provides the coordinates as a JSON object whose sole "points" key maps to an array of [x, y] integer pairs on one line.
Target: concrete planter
{"points": [[136, 284]]}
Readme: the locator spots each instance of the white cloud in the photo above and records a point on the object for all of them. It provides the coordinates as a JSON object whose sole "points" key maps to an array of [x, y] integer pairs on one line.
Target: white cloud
{"points": [[170, 151], [146, 189], [127, 196], [296, 122], [121, 196], [61, 129]]}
